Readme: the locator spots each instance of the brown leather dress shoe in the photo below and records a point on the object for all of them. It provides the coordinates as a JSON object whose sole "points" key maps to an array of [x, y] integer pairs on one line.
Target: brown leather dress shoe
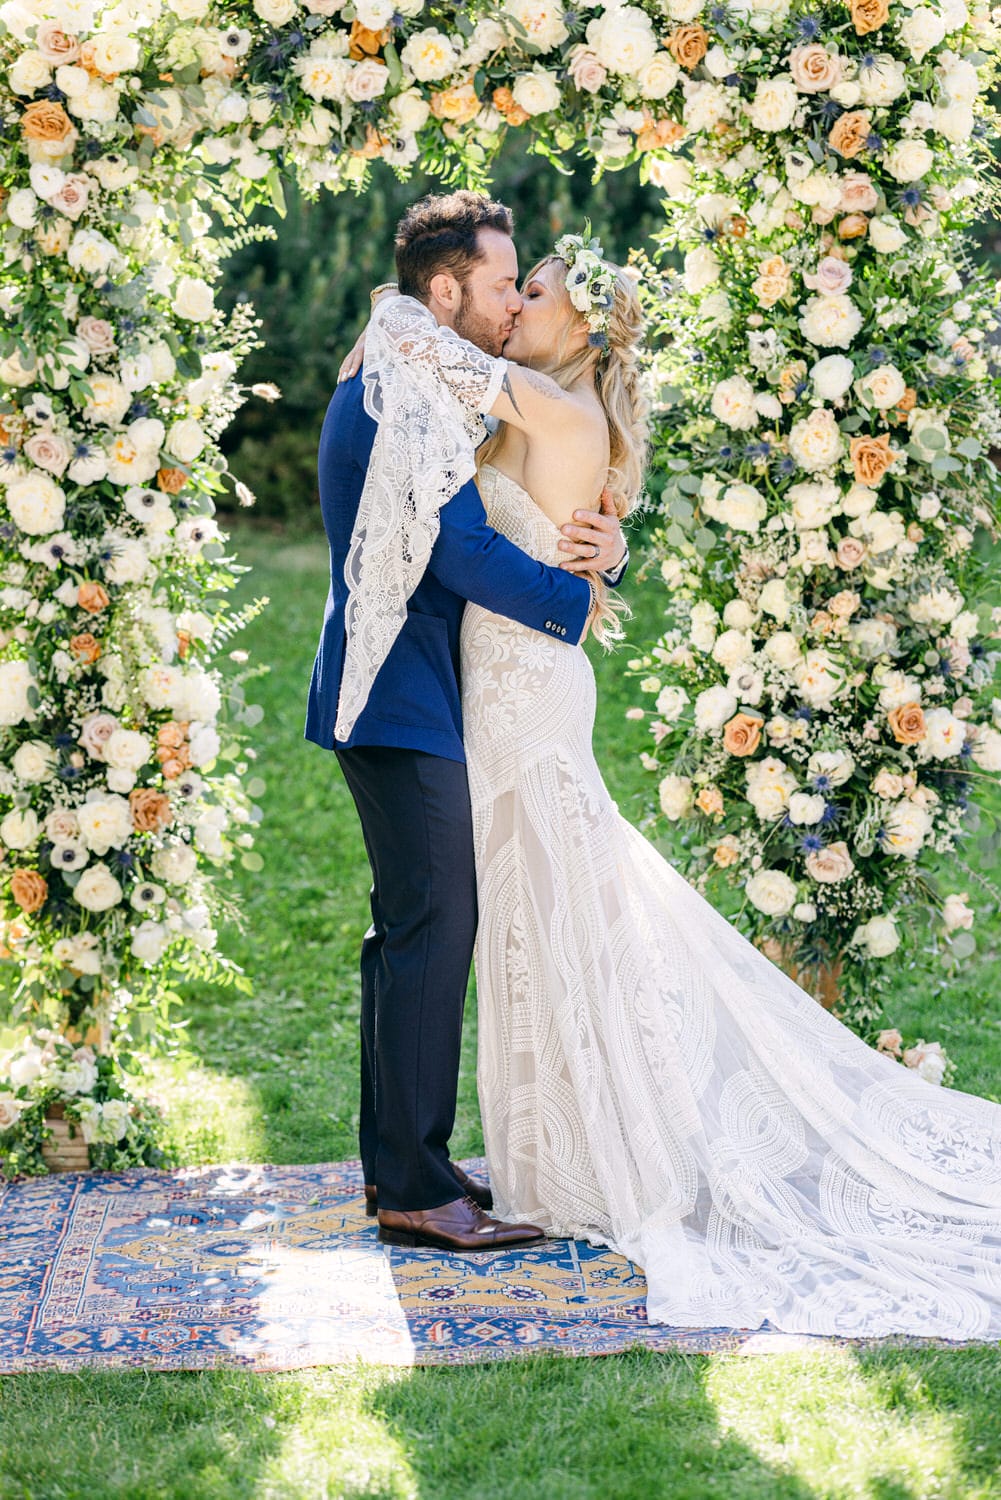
{"points": [[461, 1225], [478, 1191]]}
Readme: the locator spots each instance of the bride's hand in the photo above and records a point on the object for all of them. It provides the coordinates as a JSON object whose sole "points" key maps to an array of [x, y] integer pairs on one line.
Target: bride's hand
{"points": [[352, 362], [596, 540]]}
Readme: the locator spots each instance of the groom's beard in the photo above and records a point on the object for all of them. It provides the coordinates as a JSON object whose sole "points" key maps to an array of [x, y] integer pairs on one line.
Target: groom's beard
{"points": [[479, 330]]}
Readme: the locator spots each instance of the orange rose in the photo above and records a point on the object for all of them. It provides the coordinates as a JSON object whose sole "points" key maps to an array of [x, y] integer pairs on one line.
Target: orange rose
{"points": [[150, 809], [85, 647], [172, 734], [659, 133], [372, 148], [365, 43], [907, 723], [726, 853], [28, 889], [742, 734], [688, 45], [171, 481], [850, 133], [871, 457], [93, 597], [504, 103], [47, 121], [710, 801], [853, 226], [869, 15], [457, 104], [904, 405]]}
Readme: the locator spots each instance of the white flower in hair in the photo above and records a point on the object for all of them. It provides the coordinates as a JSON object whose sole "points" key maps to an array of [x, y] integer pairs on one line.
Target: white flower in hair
{"points": [[590, 282]]}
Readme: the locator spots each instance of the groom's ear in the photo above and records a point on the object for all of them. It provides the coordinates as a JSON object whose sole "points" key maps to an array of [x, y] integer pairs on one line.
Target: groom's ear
{"points": [[445, 292]]}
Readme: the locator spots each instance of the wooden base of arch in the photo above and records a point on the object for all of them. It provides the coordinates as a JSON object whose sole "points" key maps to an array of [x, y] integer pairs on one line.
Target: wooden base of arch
{"points": [[822, 981], [63, 1151]]}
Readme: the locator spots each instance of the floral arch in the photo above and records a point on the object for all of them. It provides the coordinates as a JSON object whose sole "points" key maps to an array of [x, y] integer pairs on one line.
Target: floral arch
{"points": [[819, 703]]}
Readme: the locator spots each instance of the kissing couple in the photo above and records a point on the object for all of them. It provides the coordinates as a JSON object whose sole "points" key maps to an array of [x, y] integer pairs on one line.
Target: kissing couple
{"points": [[648, 1079]]}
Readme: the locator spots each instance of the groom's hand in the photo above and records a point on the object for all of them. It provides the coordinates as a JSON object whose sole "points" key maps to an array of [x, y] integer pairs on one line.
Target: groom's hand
{"points": [[594, 539]]}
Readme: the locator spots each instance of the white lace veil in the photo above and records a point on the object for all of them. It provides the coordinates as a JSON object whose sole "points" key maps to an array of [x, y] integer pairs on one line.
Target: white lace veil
{"points": [[424, 386]]}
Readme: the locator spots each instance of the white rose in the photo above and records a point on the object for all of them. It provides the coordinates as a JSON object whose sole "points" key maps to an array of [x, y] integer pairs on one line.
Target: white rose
{"points": [[987, 748], [175, 864], [806, 808], [886, 236], [623, 39], [675, 797], [738, 614], [15, 681], [429, 56], [832, 376], [114, 53], [89, 251], [879, 936], [922, 30], [97, 889], [816, 443], [34, 761], [20, 828], [186, 439], [702, 269], [783, 648], [542, 21], [955, 121], [671, 703], [659, 76], [733, 403], [742, 507], [937, 607], [713, 707], [818, 678], [673, 176], [28, 73], [149, 941], [411, 110], [127, 749], [814, 503], [882, 387], [537, 92], [830, 322], [22, 208], [702, 627], [129, 561], [105, 822], [203, 744], [732, 648], [36, 503], [884, 80], [275, 12], [193, 299], [905, 828], [772, 892], [774, 601], [909, 160], [774, 104], [108, 401]]}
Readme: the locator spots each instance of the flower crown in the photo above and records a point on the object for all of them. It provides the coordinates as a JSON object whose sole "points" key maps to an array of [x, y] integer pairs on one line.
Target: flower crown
{"points": [[590, 282]]}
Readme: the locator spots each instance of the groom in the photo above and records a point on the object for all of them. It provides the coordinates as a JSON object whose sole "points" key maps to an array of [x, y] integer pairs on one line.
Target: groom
{"points": [[404, 762]]}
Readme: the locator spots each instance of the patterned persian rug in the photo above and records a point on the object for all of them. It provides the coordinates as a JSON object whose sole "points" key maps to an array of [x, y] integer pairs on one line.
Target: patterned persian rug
{"points": [[276, 1268]]}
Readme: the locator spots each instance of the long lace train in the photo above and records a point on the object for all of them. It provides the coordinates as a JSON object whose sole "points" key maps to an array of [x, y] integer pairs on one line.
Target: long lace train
{"points": [[649, 1080]]}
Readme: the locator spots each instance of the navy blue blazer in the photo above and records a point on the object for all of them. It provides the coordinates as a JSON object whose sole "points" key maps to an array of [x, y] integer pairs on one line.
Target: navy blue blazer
{"points": [[414, 702]]}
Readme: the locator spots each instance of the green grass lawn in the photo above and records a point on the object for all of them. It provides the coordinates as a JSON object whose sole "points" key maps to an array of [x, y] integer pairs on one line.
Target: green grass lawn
{"points": [[272, 1077]]}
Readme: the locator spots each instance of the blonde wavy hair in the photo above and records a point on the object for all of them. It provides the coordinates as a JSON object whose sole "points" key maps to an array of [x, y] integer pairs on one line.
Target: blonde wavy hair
{"points": [[619, 386]]}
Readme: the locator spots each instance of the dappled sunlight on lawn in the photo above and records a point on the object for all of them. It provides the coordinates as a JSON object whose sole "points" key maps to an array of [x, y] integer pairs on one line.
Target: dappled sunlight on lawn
{"points": [[212, 1116], [837, 1426]]}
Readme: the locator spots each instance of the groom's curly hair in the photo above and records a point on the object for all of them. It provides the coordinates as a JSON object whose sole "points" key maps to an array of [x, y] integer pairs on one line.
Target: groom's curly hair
{"points": [[441, 233]]}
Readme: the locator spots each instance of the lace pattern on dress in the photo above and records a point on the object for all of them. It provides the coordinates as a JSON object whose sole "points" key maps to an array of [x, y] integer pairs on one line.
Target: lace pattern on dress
{"points": [[425, 386]]}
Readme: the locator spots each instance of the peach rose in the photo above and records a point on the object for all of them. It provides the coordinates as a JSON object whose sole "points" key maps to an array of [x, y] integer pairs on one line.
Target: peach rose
{"points": [[172, 734], [871, 457], [659, 133], [55, 45], [907, 723], [850, 133], [28, 889], [869, 15], [504, 103], [857, 194], [458, 104], [906, 403], [93, 597], [772, 281], [710, 801], [587, 70], [365, 43], [850, 552], [47, 121], [830, 865], [171, 481], [813, 68], [726, 853], [150, 809], [85, 647], [742, 734], [688, 45], [889, 1041]]}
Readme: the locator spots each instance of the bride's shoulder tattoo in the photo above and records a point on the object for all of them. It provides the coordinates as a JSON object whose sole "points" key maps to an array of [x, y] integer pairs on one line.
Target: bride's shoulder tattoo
{"points": [[544, 385], [508, 390]]}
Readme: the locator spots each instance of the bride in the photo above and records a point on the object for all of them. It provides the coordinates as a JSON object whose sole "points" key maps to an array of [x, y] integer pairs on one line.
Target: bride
{"points": [[648, 1079]]}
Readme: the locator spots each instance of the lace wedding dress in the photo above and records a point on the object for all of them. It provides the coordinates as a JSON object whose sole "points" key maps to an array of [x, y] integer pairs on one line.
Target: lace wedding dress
{"points": [[650, 1081]]}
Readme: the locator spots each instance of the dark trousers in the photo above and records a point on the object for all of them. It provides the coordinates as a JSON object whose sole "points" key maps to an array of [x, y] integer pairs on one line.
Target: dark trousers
{"points": [[417, 824]]}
